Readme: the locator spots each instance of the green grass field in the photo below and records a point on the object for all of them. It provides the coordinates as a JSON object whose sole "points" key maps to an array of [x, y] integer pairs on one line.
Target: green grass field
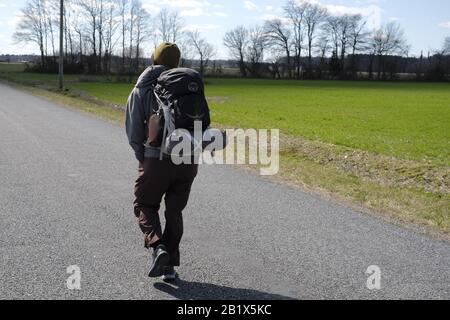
{"points": [[383, 145], [405, 120], [11, 67]]}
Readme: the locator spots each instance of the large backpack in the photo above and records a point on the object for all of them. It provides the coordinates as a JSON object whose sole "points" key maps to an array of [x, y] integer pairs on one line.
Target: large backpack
{"points": [[181, 101]]}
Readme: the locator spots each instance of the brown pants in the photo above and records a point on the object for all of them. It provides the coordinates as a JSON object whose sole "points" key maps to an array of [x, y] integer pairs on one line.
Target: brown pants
{"points": [[158, 178]]}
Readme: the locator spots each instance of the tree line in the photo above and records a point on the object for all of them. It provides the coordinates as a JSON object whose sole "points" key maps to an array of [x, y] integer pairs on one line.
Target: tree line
{"points": [[309, 42], [104, 36], [306, 42]]}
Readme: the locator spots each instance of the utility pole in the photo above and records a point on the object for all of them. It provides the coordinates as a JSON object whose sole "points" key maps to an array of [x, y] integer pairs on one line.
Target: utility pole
{"points": [[61, 40]]}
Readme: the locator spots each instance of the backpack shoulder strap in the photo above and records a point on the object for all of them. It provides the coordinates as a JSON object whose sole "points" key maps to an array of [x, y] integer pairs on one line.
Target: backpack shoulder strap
{"points": [[150, 107]]}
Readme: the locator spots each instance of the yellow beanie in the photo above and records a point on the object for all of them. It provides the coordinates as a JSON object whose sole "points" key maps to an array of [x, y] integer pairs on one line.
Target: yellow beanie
{"points": [[167, 54]]}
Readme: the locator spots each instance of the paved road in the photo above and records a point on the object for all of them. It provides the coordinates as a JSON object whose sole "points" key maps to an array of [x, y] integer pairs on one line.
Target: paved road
{"points": [[65, 199]]}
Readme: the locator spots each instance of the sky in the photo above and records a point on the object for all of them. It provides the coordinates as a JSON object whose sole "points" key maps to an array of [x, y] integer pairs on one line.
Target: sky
{"points": [[426, 23]]}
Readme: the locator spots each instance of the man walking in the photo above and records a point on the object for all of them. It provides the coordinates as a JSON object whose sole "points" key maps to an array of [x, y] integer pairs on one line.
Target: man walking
{"points": [[157, 177]]}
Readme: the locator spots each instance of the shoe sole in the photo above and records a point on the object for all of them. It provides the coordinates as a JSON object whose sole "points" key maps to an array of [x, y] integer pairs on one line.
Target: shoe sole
{"points": [[157, 269]]}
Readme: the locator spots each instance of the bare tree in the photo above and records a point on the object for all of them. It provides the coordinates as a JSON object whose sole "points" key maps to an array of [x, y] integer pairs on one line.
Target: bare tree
{"points": [[131, 24], [340, 30], [100, 28], [51, 9], [123, 7], [204, 50], [142, 31], [236, 41], [446, 51], [68, 29], [168, 26], [111, 28], [275, 67], [345, 23], [388, 40], [358, 39], [314, 14], [66, 12], [91, 10], [31, 26], [331, 30], [77, 25], [185, 46], [439, 62], [323, 46], [177, 27], [279, 36], [255, 50], [296, 13], [447, 46]]}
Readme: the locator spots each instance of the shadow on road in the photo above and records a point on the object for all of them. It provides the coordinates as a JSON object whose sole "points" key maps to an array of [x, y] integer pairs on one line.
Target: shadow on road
{"points": [[185, 290]]}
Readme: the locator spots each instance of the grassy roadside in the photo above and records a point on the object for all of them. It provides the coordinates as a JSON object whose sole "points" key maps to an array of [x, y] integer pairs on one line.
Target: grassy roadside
{"points": [[74, 101], [405, 205], [392, 189], [406, 191]]}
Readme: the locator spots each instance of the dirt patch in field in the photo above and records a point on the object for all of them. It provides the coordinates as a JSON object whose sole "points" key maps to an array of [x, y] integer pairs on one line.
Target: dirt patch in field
{"points": [[217, 99]]}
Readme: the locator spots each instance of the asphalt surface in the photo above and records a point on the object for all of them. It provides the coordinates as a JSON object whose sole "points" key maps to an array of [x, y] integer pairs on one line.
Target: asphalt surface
{"points": [[66, 192]]}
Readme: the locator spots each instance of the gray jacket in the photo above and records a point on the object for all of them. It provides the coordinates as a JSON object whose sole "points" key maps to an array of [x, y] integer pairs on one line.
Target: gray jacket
{"points": [[140, 106]]}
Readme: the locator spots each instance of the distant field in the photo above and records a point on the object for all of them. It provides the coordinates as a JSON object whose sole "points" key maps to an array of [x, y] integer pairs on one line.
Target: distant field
{"points": [[11, 67], [406, 120]]}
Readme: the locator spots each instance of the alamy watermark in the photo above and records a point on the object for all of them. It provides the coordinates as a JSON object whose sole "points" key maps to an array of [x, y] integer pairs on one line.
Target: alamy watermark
{"points": [[374, 279], [73, 282], [373, 282], [233, 146]]}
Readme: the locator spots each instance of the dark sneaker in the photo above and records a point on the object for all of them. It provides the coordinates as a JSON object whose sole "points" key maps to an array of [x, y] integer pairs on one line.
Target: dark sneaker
{"points": [[160, 260], [169, 274]]}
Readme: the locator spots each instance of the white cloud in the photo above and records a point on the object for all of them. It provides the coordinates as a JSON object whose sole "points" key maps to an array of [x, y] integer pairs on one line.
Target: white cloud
{"points": [[8, 47], [371, 12], [197, 12], [13, 21], [445, 25], [213, 5], [187, 8], [220, 14], [195, 27], [270, 16], [176, 3], [151, 8], [249, 5], [180, 4]]}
